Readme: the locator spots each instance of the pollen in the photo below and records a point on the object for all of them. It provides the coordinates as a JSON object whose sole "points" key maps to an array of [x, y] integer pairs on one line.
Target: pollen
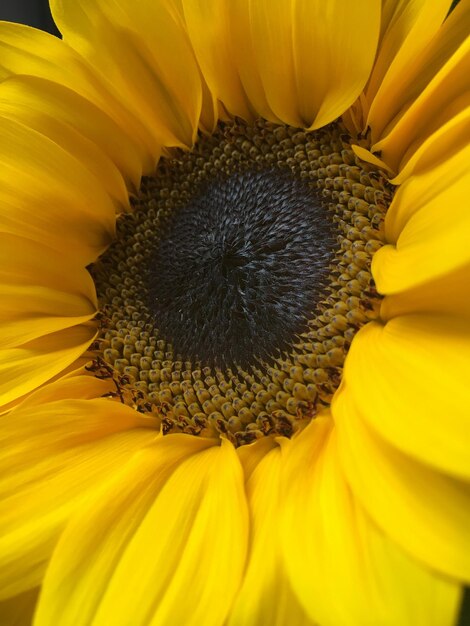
{"points": [[234, 288]]}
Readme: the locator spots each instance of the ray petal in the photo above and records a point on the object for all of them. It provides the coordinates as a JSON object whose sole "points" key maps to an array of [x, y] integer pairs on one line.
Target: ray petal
{"points": [[426, 226], [55, 455], [416, 396], [424, 511], [144, 556], [344, 569], [266, 595], [143, 55]]}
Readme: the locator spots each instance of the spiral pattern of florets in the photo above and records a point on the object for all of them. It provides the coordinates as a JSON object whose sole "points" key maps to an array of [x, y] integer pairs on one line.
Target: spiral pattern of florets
{"points": [[268, 396], [238, 271]]}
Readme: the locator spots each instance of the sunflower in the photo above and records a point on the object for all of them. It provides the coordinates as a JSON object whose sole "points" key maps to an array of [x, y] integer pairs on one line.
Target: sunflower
{"points": [[235, 314]]}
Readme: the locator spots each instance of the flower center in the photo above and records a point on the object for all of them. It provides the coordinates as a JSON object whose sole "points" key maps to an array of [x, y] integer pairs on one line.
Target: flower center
{"points": [[237, 271], [235, 287]]}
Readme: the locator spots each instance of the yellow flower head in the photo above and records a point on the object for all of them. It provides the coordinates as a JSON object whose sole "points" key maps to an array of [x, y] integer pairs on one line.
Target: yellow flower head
{"points": [[235, 319]]}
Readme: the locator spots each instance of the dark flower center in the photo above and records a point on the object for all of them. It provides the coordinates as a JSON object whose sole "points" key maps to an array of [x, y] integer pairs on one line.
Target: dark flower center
{"points": [[234, 288], [238, 270]]}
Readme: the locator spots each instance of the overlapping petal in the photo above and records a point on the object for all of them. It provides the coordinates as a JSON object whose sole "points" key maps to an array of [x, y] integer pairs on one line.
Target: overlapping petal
{"points": [[165, 543], [418, 360], [208, 26], [30, 365], [266, 596], [427, 224], [345, 571], [27, 51], [78, 126], [143, 55], [79, 384], [407, 28], [75, 144], [285, 60], [55, 454], [32, 312], [41, 291], [404, 497], [49, 196], [446, 294], [449, 138], [429, 84]]}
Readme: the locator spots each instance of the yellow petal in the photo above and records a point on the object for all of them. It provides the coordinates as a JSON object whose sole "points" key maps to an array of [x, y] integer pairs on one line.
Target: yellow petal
{"points": [[408, 380], [334, 45], [411, 133], [208, 25], [144, 57], [42, 292], [266, 596], [424, 511], [427, 226], [32, 440], [368, 157], [19, 610], [443, 98], [209, 107], [407, 30], [80, 386], [114, 516], [352, 118], [250, 455], [345, 571], [54, 456], [448, 294], [28, 313], [48, 196], [449, 138], [165, 544], [24, 263], [47, 391], [248, 97], [25, 50], [77, 126], [29, 366], [302, 63], [81, 148]]}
